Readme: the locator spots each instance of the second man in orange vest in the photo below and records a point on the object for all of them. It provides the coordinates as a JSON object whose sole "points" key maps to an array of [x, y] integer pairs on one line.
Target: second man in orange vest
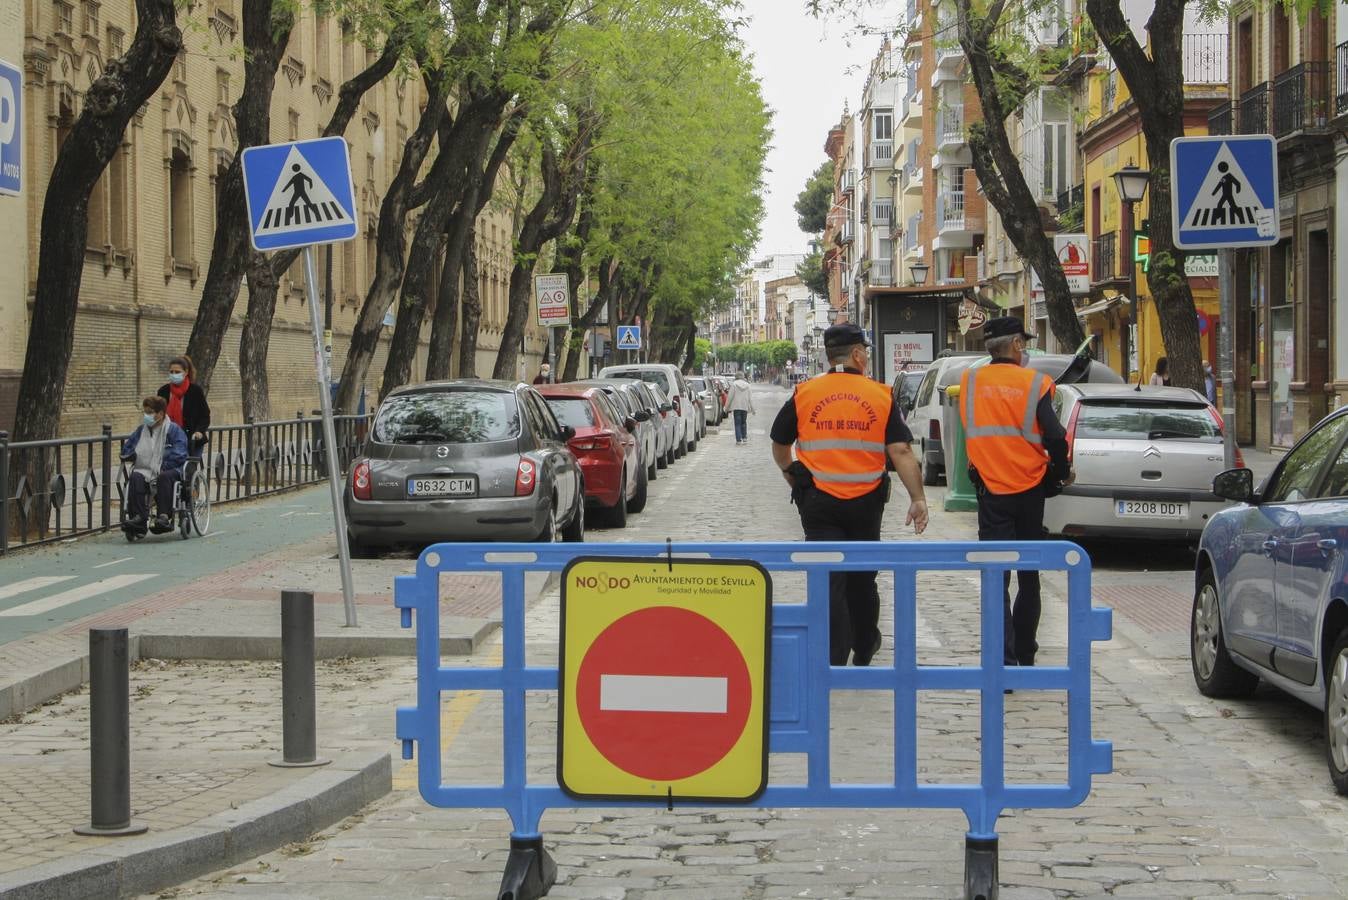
{"points": [[844, 426]]}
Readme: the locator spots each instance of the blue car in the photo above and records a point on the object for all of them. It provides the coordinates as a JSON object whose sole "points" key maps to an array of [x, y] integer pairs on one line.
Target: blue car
{"points": [[1271, 587]]}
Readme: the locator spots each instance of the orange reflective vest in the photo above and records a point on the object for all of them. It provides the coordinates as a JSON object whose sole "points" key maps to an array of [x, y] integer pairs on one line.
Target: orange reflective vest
{"points": [[999, 406], [840, 432]]}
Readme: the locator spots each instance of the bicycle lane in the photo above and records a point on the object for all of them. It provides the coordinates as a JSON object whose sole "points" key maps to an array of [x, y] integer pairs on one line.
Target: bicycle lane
{"points": [[44, 588]]}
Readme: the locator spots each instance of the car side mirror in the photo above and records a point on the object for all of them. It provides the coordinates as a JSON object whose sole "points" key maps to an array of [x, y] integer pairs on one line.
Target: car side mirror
{"points": [[641, 416], [666, 407], [568, 432], [1234, 484], [630, 424]]}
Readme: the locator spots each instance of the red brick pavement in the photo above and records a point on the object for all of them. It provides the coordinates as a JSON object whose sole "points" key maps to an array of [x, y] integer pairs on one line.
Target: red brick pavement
{"points": [[1155, 608]]}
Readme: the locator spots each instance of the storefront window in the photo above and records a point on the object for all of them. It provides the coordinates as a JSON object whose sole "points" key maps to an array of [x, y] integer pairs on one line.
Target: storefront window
{"points": [[1282, 369]]}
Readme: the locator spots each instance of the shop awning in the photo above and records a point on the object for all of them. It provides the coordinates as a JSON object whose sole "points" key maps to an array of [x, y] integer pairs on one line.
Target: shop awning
{"points": [[1099, 306]]}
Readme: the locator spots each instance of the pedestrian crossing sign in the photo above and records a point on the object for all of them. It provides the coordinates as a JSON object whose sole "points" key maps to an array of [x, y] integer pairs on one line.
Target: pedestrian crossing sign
{"points": [[629, 337], [1224, 191], [299, 194]]}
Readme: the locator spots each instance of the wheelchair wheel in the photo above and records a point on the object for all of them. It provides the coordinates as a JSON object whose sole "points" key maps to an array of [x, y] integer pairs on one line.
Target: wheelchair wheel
{"points": [[200, 503]]}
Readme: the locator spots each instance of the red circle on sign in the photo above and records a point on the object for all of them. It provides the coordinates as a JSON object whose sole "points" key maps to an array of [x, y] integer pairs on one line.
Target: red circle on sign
{"points": [[649, 722]]}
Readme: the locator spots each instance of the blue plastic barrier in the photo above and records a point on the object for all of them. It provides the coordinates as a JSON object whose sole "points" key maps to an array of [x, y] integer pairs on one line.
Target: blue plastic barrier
{"points": [[801, 680]]}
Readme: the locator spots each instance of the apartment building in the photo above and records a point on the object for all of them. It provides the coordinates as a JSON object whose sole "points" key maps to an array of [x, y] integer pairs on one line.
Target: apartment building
{"points": [[152, 215], [840, 226]]}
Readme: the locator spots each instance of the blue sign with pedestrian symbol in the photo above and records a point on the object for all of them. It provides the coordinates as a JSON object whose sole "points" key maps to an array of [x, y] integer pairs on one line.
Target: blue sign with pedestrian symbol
{"points": [[629, 337], [1224, 191], [11, 129], [299, 194]]}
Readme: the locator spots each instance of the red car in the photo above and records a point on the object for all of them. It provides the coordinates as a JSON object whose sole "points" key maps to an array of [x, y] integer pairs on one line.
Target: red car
{"points": [[605, 445]]}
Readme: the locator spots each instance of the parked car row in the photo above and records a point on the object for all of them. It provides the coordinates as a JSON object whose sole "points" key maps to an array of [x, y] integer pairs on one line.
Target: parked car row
{"points": [[486, 460]]}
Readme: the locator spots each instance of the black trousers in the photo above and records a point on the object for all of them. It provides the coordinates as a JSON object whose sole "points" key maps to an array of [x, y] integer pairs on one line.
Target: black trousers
{"points": [[138, 498], [853, 601], [1016, 517]]}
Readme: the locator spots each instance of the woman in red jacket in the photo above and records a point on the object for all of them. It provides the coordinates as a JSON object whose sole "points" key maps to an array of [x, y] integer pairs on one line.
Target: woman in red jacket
{"points": [[187, 405]]}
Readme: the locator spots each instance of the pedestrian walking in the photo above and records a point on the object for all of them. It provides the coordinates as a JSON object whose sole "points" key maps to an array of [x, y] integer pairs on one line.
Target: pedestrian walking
{"points": [[1017, 457], [1209, 383], [544, 375], [1161, 377], [186, 402], [741, 405], [844, 425]]}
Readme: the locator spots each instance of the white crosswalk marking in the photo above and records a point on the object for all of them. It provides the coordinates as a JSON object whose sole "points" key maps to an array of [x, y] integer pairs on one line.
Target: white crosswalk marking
{"points": [[31, 584], [74, 595]]}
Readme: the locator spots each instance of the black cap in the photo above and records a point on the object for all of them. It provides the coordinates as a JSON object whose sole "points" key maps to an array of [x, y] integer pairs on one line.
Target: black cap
{"points": [[844, 335], [1005, 326]]}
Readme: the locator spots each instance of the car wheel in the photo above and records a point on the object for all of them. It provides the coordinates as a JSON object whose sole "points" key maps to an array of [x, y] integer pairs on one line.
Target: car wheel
{"points": [[651, 471], [1214, 672], [662, 461], [682, 450], [1336, 712], [692, 446], [638, 501], [550, 532], [358, 550], [574, 532], [617, 513]]}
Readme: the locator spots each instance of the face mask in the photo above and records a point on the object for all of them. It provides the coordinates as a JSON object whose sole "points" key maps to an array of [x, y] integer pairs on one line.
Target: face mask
{"points": [[177, 377], [1024, 358], [148, 418]]}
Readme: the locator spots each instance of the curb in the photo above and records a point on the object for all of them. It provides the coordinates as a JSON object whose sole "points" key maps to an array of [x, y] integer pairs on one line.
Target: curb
{"points": [[151, 862]]}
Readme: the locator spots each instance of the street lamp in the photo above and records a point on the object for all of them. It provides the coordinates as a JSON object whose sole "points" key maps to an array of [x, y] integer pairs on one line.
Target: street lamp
{"points": [[1131, 183], [919, 272]]}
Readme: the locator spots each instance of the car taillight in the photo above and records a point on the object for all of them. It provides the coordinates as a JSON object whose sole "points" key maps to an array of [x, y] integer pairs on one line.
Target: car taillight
{"points": [[934, 430], [360, 481], [1072, 430], [1221, 428], [678, 410], [601, 441], [525, 476]]}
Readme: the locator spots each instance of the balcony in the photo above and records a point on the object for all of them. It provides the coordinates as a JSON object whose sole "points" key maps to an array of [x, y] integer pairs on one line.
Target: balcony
{"points": [[881, 154], [845, 233], [882, 212], [1341, 82], [881, 273], [1301, 99], [950, 127], [950, 211], [1220, 119], [849, 181], [1104, 266], [910, 107], [1072, 207], [1204, 58], [1252, 110]]}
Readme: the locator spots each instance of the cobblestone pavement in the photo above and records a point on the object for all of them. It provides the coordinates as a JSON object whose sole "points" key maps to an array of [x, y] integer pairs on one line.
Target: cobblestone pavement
{"points": [[1207, 798]]}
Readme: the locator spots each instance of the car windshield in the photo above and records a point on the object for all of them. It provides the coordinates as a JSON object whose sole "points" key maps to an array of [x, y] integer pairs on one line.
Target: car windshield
{"points": [[573, 411], [456, 417], [697, 384], [1124, 421], [650, 376]]}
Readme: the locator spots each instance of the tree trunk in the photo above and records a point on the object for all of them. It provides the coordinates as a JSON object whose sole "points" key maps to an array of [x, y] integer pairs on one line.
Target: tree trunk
{"points": [[690, 356], [264, 274], [266, 32], [1157, 86], [112, 100], [999, 172], [390, 247], [472, 310]]}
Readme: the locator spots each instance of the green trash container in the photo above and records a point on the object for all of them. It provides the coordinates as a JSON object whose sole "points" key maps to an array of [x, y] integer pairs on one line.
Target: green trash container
{"points": [[959, 493]]}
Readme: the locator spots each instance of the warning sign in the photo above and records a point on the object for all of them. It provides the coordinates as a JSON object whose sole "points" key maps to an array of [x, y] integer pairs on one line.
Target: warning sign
{"points": [[552, 295], [664, 679]]}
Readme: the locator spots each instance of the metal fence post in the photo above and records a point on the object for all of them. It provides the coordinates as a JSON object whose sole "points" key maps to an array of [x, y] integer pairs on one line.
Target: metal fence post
{"points": [[109, 736], [249, 452], [299, 709], [4, 491], [107, 477]]}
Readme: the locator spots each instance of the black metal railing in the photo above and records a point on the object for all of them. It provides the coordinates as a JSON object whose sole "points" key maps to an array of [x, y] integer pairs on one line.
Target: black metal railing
{"points": [[1105, 264], [1219, 119], [63, 488], [1072, 197], [1252, 109], [1341, 79], [1301, 98]]}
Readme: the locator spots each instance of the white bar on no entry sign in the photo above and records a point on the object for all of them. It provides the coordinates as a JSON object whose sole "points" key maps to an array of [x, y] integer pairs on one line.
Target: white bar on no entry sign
{"points": [[662, 693]]}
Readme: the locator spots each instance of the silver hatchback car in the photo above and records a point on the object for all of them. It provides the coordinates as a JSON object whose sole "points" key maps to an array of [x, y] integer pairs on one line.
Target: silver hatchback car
{"points": [[1145, 460], [466, 460]]}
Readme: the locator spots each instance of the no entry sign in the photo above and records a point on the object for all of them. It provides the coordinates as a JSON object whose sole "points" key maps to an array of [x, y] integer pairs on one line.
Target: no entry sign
{"points": [[664, 671]]}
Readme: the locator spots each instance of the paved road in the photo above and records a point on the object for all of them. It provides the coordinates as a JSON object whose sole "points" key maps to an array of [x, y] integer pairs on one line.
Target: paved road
{"points": [[1207, 798]]}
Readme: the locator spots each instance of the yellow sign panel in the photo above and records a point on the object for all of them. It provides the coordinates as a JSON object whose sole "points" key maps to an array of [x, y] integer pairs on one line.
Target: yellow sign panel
{"points": [[664, 666]]}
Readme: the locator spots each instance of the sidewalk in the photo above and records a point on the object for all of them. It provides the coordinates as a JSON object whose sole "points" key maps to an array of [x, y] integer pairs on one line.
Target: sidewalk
{"points": [[203, 731]]}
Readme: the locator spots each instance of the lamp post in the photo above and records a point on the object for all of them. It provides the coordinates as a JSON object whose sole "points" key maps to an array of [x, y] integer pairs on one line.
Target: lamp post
{"points": [[1131, 183], [919, 272]]}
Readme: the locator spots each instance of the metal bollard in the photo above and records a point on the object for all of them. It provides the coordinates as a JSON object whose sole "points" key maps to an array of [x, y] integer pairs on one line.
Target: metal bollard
{"points": [[109, 736], [299, 709]]}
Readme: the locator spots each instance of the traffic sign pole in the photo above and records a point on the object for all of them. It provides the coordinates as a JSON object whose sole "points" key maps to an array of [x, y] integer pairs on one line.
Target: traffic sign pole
{"points": [[329, 437], [1226, 357]]}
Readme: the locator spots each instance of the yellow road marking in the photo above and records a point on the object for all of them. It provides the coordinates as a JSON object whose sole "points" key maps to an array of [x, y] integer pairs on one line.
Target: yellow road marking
{"points": [[452, 720]]}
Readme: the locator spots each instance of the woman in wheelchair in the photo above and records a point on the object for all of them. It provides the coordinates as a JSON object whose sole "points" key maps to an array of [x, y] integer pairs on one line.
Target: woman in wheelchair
{"points": [[159, 450]]}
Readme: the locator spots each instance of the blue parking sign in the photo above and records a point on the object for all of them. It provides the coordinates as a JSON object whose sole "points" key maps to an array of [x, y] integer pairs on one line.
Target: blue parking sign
{"points": [[299, 194], [11, 129], [1224, 191]]}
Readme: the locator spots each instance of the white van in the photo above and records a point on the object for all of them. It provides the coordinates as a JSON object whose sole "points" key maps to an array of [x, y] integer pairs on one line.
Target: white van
{"points": [[925, 419], [676, 387]]}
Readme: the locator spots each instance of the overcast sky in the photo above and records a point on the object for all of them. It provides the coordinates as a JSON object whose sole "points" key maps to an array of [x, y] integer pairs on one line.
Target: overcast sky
{"points": [[808, 71]]}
